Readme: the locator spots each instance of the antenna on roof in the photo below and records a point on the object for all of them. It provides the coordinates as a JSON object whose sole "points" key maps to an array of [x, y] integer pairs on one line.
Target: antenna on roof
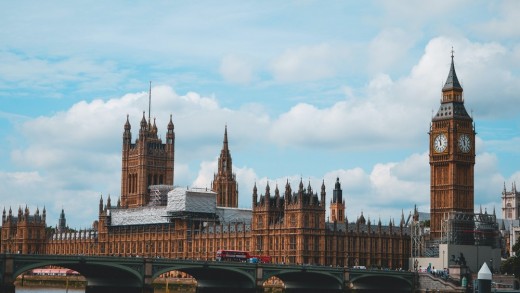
{"points": [[149, 102]]}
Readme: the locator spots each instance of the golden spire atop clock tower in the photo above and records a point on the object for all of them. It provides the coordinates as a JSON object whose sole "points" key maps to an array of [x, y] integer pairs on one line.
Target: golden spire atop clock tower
{"points": [[452, 156]]}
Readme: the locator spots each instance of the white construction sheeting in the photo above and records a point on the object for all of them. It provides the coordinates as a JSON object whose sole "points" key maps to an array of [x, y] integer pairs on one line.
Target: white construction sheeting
{"points": [[234, 215], [192, 200], [179, 200], [138, 216]]}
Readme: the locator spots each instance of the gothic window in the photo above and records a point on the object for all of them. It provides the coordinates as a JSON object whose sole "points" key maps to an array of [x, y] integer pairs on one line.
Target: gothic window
{"points": [[293, 220], [259, 243], [292, 242], [260, 223], [306, 221]]}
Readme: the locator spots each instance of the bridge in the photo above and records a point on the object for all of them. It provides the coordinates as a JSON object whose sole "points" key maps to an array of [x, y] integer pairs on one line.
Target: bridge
{"points": [[135, 275]]}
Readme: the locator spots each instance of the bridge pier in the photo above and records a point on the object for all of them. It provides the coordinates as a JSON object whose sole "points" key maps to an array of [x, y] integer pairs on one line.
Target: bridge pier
{"points": [[7, 288], [6, 278]]}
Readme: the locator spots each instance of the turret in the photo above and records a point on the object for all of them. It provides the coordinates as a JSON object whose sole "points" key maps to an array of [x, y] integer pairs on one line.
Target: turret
{"points": [[154, 128], [62, 222], [170, 135], [26, 213], [267, 195], [101, 204], [288, 192], [127, 134], [143, 129], [300, 191], [323, 193], [277, 196], [255, 196]]}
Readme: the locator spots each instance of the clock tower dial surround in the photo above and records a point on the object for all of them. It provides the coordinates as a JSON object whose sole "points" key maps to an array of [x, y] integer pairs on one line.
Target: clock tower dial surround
{"points": [[452, 156]]}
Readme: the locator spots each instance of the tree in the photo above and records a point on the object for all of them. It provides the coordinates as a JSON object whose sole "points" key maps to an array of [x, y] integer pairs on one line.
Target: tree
{"points": [[512, 264]]}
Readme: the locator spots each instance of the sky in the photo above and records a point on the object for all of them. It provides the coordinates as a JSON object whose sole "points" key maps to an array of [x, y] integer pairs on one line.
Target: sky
{"points": [[309, 90]]}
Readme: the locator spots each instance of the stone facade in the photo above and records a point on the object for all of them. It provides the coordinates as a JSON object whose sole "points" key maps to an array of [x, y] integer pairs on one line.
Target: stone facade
{"points": [[224, 181], [24, 233], [146, 162]]}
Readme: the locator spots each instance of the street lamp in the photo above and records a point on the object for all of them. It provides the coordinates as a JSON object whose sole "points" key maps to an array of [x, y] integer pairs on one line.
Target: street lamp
{"points": [[443, 259]]}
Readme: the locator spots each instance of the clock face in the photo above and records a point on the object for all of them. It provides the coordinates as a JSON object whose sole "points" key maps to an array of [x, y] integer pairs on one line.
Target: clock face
{"points": [[464, 143], [440, 143]]}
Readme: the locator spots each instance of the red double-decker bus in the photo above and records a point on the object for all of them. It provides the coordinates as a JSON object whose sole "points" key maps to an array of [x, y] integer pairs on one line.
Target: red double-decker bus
{"points": [[232, 255]]}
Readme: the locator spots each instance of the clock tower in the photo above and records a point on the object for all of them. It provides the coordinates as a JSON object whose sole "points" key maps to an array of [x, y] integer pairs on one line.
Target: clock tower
{"points": [[452, 157]]}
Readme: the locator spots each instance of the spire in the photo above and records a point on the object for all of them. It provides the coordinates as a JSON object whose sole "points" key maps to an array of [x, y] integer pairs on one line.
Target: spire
{"points": [[225, 144], [154, 127], [143, 122], [150, 101], [170, 124], [255, 195], [101, 204], [337, 194], [127, 124], [170, 136], [452, 82], [323, 193], [288, 192]]}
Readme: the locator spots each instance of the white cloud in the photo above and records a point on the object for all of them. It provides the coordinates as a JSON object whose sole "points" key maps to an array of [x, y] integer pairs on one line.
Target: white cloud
{"points": [[309, 63], [236, 70], [388, 48], [505, 22]]}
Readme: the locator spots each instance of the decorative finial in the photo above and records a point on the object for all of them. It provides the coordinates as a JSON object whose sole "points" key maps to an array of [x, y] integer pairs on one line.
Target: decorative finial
{"points": [[150, 102]]}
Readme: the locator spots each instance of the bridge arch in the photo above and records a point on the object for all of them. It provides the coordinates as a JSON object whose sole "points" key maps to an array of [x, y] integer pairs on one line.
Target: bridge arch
{"points": [[308, 281], [103, 274], [382, 283], [216, 276]]}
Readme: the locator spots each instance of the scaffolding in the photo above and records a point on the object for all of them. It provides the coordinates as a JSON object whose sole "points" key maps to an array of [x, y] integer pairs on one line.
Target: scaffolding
{"points": [[417, 236], [159, 194], [486, 230], [458, 228]]}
